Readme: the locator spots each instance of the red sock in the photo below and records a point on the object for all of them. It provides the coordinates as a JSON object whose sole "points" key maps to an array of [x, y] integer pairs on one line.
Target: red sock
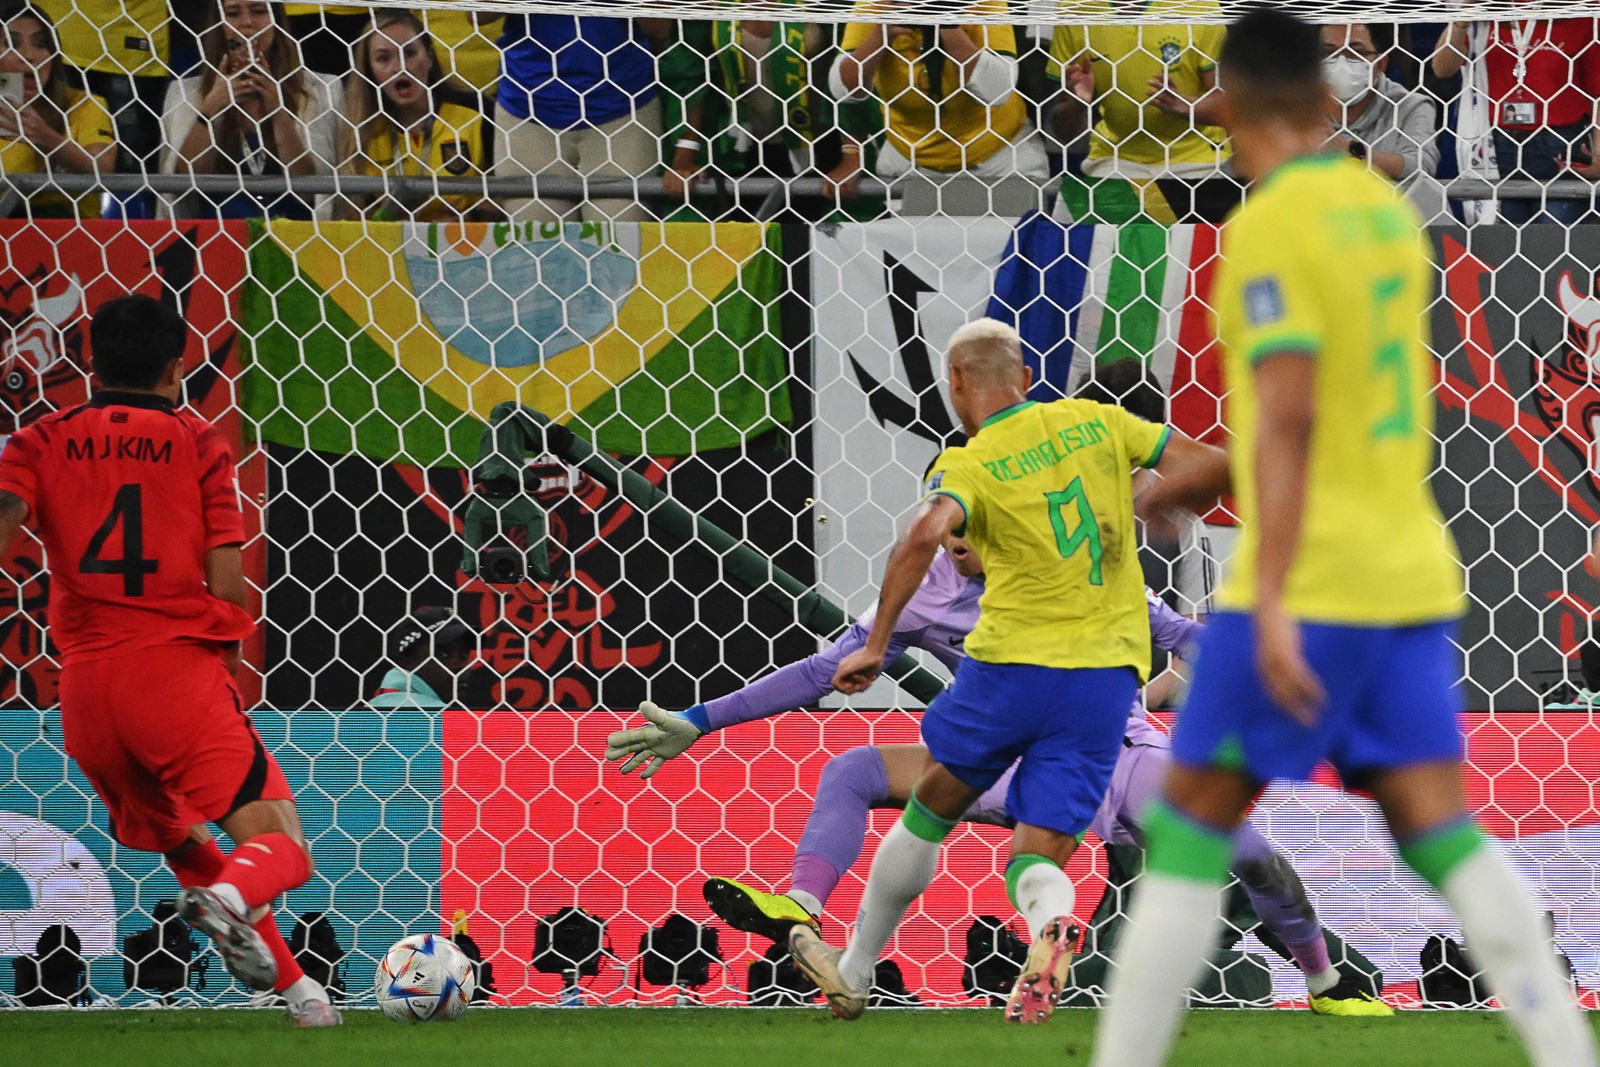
{"points": [[197, 864], [289, 971], [265, 866], [203, 865]]}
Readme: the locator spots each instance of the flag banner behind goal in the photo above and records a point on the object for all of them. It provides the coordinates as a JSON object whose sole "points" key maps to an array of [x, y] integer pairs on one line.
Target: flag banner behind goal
{"points": [[1516, 324], [784, 385], [651, 339]]}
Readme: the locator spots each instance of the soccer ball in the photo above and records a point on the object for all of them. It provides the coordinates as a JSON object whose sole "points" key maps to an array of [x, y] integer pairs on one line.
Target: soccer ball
{"points": [[424, 978]]}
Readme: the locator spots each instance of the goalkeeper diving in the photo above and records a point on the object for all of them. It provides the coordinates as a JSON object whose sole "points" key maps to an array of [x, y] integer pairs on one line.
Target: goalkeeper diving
{"points": [[937, 620]]}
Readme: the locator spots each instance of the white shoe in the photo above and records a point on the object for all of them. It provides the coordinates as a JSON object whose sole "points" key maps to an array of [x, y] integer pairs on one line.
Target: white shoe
{"points": [[820, 961], [315, 1014], [244, 952]]}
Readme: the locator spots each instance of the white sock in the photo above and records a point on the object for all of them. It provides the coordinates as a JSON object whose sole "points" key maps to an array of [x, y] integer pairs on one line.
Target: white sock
{"points": [[901, 870], [807, 901], [1043, 892], [1508, 939], [1318, 984], [305, 989], [231, 897], [1171, 929]]}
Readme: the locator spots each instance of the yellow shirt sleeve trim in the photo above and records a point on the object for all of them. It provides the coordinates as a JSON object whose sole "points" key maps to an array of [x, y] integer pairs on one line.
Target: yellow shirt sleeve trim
{"points": [[1160, 449]]}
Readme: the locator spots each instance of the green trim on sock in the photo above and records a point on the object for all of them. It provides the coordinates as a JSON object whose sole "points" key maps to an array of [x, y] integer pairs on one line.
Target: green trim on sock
{"points": [[1178, 846], [924, 823], [1015, 869], [1436, 853]]}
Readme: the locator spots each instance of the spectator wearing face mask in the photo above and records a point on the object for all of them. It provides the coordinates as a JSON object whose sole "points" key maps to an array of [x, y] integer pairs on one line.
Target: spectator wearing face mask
{"points": [[1378, 120]]}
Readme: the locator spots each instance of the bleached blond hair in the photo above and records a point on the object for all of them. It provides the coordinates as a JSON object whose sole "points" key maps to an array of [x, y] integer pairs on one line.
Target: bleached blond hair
{"points": [[987, 348]]}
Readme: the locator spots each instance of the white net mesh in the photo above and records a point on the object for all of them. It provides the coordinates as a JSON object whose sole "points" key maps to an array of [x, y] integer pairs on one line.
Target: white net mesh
{"points": [[729, 254]]}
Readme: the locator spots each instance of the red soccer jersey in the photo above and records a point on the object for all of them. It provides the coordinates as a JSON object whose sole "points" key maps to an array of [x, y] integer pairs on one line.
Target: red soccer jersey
{"points": [[1563, 77], [128, 493]]}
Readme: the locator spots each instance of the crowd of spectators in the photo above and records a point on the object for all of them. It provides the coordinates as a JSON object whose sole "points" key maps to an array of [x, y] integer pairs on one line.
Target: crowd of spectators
{"points": [[1120, 122]]}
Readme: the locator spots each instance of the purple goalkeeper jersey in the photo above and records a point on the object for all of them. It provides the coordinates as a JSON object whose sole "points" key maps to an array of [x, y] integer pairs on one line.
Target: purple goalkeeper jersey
{"points": [[937, 620]]}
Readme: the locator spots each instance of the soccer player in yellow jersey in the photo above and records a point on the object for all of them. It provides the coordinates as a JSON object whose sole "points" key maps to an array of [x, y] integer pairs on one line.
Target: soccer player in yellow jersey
{"points": [[1061, 646], [1334, 638]]}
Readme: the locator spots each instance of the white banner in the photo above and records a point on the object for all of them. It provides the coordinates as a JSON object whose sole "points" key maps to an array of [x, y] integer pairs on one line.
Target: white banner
{"points": [[888, 296]]}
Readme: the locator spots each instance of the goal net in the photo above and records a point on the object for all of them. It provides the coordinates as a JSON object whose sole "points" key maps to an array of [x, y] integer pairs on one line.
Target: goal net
{"points": [[622, 339]]}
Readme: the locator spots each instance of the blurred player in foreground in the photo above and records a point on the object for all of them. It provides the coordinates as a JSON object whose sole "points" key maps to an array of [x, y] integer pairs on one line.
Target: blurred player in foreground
{"points": [[937, 620], [137, 504], [1335, 638], [1061, 647]]}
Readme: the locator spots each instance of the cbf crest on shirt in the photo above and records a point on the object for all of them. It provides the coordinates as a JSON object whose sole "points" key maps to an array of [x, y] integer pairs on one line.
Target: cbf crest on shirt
{"points": [[1048, 498]]}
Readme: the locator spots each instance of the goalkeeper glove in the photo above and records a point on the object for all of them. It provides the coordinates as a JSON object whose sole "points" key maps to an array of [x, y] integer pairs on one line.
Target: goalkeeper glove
{"points": [[667, 734]]}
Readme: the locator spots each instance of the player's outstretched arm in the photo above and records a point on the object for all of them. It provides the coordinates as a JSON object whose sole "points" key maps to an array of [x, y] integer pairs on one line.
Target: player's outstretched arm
{"points": [[939, 516], [667, 734], [1194, 476], [13, 513]]}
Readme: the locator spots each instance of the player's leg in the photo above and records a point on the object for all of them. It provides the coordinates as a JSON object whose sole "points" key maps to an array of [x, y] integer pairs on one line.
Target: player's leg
{"points": [[1275, 890], [903, 867], [1229, 739], [1059, 788], [1411, 741], [199, 862], [1427, 813], [1041, 891], [127, 754], [852, 784], [194, 738], [1173, 924]]}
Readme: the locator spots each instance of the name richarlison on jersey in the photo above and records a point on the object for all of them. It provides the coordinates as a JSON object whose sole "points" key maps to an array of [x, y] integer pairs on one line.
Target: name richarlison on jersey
{"points": [[1047, 453], [121, 446]]}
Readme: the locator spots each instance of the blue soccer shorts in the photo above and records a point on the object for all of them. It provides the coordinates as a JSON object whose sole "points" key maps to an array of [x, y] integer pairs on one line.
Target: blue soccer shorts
{"points": [[1392, 701], [1065, 725]]}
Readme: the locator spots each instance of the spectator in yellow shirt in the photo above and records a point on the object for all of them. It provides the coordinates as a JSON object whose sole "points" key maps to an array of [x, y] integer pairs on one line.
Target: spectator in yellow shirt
{"points": [[404, 119], [49, 126], [121, 49], [950, 95], [467, 49], [1155, 153]]}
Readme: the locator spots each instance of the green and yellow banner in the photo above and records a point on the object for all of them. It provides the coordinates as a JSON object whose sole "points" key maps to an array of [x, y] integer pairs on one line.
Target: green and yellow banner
{"points": [[395, 340]]}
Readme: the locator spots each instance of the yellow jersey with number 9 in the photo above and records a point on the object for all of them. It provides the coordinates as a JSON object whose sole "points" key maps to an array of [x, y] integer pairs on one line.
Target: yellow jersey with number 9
{"points": [[1048, 493], [1328, 260]]}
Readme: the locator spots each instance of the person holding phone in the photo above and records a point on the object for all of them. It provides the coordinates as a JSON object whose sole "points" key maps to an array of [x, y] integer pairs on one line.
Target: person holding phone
{"points": [[46, 126], [254, 110]]}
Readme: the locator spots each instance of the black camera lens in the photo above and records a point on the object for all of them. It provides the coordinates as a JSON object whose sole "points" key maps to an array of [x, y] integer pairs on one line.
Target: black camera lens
{"points": [[501, 565]]}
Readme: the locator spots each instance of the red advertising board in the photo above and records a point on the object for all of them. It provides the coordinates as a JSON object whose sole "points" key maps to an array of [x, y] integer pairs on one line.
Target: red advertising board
{"points": [[534, 820]]}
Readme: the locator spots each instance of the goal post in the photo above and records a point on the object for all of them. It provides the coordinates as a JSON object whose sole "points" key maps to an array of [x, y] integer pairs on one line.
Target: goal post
{"points": [[720, 348]]}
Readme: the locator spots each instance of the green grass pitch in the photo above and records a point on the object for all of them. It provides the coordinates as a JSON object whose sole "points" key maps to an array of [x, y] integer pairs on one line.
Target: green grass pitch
{"points": [[710, 1037]]}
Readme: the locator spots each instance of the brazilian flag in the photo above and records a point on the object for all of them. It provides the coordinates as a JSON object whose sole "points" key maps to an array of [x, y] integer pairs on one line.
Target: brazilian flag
{"points": [[395, 340]]}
